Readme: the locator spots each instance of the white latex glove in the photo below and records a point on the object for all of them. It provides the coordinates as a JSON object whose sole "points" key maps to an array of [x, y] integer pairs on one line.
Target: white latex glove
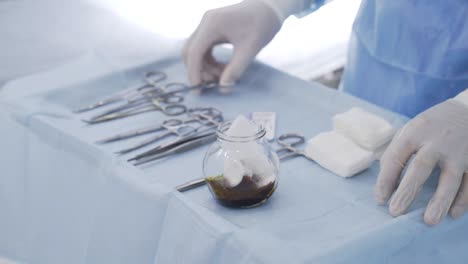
{"points": [[438, 136], [248, 26]]}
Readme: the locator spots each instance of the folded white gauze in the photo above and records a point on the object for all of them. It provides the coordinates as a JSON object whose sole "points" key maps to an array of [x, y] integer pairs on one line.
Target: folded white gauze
{"points": [[365, 129], [245, 158], [462, 97], [338, 154]]}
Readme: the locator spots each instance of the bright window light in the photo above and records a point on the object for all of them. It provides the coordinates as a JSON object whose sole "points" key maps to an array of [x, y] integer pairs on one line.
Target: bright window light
{"points": [[173, 19], [306, 47]]}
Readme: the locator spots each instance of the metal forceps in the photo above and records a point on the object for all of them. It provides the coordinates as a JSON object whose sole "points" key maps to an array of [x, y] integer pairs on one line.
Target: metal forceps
{"points": [[203, 134], [169, 105], [288, 146], [179, 128], [151, 79], [193, 116], [288, 149], [176, 147], [139, 132], [177, 88]]}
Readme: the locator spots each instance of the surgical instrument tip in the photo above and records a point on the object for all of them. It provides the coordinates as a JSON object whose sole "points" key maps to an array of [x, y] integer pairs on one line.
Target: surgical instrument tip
{"points": [[104, 141], [108, 140], [121, 152], [87, 121], [191, 185], [80, 110], [93, 121]]}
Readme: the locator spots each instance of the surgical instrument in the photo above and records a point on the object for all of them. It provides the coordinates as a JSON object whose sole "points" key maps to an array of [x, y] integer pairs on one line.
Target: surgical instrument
{"points": [[182, 88], [152, 78], [168, 146], [140, 131], [288, 149], [193, 116], [181, 130], [288, 146], [180, 147], [209, 126], [169, 105], [171, 99]]}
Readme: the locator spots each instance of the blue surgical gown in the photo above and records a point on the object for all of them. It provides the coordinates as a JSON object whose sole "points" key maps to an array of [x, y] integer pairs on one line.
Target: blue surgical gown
{"points": [[408, 55]]}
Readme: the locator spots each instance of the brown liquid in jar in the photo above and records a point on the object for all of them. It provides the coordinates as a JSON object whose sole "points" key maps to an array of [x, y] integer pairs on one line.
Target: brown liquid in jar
{"points": [[245, 195]]}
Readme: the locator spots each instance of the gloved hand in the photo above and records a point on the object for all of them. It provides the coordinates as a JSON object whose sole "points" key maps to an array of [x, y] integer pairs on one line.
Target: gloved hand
{"points": [[438, 136], [248, 26]]}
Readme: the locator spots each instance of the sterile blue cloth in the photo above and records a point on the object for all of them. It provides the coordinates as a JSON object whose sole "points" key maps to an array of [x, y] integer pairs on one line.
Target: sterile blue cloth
{"points": [[65, 199], [408, 55]]}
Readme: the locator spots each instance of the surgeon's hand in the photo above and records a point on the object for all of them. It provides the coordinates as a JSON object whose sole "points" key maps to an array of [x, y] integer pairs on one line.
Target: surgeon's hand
{"points": [[248, 26], [438, 136]]}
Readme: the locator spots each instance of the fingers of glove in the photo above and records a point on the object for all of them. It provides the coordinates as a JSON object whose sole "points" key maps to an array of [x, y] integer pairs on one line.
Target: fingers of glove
{"points": [[188, 44], [196, 49], [206, 77], [392, 164], [449, 184], [211, 71], [417, 173], [460, 205], [243, 55], [186, 48], [214, 67]]}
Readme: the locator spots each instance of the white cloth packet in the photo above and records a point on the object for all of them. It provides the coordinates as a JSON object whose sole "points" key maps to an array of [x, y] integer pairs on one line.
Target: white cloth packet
{"points": [[338, 154], [364, 128]]}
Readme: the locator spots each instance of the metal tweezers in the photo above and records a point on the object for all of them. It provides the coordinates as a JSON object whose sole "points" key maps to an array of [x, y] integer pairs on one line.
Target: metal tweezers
{"points": [[175, 147]]}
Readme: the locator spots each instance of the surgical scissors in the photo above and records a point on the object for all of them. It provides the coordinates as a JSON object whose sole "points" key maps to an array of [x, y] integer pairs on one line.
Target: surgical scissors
{"points": [[151, 79], [169, 105], [288, 149]]}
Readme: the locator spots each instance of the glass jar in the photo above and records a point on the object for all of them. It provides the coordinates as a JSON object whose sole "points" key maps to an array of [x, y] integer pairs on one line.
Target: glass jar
{"points": [[242, 171]]}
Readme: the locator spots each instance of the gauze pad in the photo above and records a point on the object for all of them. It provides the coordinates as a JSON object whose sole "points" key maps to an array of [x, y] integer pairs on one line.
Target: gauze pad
{"points": [[462, 97], [365, 129], [245, 158], [338, 154]]}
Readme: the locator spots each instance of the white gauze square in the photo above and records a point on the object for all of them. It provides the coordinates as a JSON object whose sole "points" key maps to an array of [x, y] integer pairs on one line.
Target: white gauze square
{"points": [[364, 128], [338, 154], [245, 158]]}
